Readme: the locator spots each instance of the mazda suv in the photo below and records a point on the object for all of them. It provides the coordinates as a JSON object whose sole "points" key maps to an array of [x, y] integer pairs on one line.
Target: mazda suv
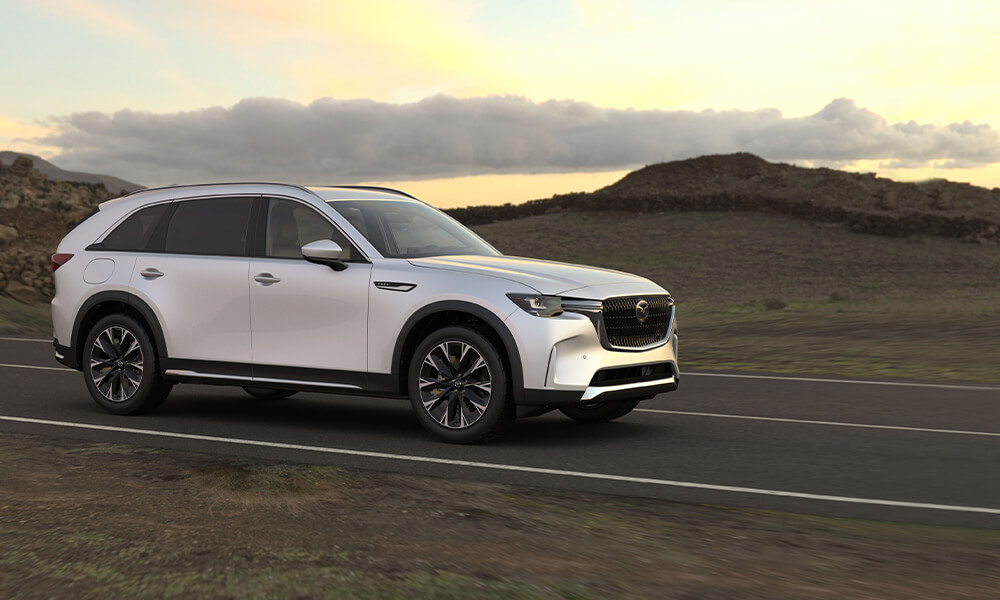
{"points": [[352, 290]]}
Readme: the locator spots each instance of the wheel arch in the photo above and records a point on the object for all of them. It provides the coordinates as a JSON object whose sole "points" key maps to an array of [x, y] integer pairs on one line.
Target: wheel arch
{"points": [[102, 304], [455, 312]]}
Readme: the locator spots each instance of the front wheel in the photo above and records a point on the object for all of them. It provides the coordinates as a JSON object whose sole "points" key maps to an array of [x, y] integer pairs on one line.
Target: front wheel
{"points": [[458, 386], [120, 367], [599, 412]]}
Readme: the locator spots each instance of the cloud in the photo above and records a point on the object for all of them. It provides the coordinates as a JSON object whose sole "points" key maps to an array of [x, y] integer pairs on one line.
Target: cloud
{"points": [[334, 140]]}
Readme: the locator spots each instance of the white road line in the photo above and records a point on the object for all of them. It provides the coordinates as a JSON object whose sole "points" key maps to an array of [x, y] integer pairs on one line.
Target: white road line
{"points": [[37, 367], [940, 386], [516, 468], [20, 339], [811, 422]]}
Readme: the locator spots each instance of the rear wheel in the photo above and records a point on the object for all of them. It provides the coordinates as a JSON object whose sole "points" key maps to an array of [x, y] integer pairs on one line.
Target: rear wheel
{"points": [[267, 393], [120, 367], [458, 386], [599, 412]]}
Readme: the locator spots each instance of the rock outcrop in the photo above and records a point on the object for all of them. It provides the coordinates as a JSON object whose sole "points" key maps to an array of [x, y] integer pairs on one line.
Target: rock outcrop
{"points": [[744, 182], [35, 213]]}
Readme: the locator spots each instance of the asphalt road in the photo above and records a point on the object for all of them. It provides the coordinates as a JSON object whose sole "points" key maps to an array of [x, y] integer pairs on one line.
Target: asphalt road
{"points": [[890, 451]]}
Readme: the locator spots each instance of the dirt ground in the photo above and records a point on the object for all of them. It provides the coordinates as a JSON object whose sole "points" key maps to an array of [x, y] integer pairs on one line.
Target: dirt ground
{"points": [[88, 520]]}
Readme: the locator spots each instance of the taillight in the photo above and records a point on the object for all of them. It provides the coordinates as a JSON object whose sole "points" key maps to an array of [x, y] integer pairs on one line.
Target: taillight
{"points": [[59, 260]]}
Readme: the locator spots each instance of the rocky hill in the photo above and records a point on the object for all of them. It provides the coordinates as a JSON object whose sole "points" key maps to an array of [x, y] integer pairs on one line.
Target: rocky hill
{"points": [[35, 213], [37, 210], [744, 182], [114, 184]]}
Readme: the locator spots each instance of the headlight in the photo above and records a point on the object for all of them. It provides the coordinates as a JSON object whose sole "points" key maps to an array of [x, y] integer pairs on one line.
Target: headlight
{"points": [[540, 306]]}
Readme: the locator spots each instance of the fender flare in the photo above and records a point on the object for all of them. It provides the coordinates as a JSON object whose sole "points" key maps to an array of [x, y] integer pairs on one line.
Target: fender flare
{"points": [[132, 301], [506, 338]]}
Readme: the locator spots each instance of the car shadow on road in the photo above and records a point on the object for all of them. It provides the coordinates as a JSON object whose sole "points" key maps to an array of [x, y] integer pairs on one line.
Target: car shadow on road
{"points": [[352, 417]]}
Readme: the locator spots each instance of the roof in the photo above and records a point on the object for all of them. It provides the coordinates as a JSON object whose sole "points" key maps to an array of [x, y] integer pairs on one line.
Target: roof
{"points": [[358, 192], [344, 192]]}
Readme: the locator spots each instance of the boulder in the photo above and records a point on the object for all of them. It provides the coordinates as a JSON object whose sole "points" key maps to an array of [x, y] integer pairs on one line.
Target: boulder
{"points": [[7, 235]]}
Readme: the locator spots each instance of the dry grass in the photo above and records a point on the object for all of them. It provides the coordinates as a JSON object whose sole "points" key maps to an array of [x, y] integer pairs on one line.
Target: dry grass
{"points": [[79, 520], [855, 304]]}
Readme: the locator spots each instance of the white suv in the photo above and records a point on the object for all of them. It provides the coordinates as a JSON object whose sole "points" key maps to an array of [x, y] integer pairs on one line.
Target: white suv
{"points": [[353, 290]]}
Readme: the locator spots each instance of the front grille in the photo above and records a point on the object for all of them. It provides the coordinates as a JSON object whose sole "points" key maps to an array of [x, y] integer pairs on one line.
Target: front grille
{"points": [[621, 320]]}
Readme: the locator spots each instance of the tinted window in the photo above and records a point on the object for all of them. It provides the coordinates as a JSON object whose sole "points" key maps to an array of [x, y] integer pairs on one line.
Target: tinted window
{"points": [[410, 229], [217, 226], [134, 232], [291, 225]]}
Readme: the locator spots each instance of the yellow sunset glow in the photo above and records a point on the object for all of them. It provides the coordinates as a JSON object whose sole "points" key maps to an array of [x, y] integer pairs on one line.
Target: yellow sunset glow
{"points": [[904, 61]]}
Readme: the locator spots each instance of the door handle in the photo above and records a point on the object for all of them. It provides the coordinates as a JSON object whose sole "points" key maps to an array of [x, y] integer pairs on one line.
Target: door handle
{"points": [[265, 278], [151, 273]]}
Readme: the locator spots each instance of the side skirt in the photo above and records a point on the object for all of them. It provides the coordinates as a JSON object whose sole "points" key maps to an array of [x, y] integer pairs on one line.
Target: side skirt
{"points": [[351, 383]]}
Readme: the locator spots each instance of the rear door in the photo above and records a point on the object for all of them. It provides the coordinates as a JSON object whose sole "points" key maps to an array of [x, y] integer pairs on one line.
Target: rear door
{"points": [[196, 282], [309, 322]]}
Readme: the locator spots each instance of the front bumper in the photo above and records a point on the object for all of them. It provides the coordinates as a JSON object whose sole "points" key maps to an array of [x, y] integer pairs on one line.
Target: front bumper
{"points": [[565, 363], [625, 391]]}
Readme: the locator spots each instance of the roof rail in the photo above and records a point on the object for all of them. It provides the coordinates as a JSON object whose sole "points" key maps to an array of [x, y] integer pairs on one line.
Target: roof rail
{"points": [[191, 185], [374, 188]]}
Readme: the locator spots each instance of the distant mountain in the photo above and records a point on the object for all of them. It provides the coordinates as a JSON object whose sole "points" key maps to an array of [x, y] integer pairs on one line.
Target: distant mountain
{"points": [[113, 184], [747, 183]]}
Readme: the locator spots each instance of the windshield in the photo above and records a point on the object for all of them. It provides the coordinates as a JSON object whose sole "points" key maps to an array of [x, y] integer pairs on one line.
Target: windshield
{"points": [[410, 229]]}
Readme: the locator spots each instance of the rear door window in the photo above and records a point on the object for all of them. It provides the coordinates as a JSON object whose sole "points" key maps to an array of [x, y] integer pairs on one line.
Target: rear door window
{"points": [[216, 226]]}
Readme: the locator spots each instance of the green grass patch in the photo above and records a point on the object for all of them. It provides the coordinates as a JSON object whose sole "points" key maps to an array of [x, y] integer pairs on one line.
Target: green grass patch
{"points": [[20, 319], [249, 480]]}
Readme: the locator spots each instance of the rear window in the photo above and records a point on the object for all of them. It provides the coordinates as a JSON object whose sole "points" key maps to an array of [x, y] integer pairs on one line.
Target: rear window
{"points": [[134, 232], [216, 226]]}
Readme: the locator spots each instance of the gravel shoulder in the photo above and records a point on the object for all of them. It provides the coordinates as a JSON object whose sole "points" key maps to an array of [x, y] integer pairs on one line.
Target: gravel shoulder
{"points": [[88, 520]]}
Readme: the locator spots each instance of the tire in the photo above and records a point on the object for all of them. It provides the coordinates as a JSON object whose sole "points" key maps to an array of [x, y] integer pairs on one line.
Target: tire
{"points": [[121, 368], [469, 405], [267, 393], [599, 412]]}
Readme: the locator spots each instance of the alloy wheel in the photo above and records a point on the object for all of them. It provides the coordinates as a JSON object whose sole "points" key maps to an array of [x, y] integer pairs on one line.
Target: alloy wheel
{"points": [[116, 364], [455, 384]]}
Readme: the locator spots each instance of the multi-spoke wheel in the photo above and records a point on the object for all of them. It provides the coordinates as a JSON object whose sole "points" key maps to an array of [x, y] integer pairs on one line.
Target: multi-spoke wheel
{"points": [[458, 386], [120, 366], [599, 412], [116, 364]]}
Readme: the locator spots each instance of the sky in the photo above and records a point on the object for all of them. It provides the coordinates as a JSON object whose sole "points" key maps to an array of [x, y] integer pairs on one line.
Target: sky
{"points": [[484, 101]]}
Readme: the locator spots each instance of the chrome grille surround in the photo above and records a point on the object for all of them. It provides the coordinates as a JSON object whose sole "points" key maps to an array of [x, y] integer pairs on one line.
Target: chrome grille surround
{"points": [[621, 327]]}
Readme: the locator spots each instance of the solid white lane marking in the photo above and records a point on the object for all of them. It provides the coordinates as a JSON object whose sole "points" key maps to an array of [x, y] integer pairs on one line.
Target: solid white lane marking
{"points": [[37, 367], [21, 339], [940, 386], [516, 468], [811, 422]]}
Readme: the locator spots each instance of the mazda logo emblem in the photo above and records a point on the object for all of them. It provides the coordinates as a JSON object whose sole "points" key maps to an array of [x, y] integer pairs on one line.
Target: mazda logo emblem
{"points": [[642, 311]]}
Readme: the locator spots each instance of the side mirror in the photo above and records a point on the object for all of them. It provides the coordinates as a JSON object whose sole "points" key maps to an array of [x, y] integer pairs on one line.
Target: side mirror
{"points": [[324, 252]]}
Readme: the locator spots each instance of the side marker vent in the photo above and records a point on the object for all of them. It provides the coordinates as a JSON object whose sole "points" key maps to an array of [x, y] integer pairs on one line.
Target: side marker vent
{"points": [[395, 286]]}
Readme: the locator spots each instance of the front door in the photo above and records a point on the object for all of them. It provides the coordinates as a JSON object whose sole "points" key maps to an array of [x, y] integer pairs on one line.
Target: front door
{"points": [[309, 323]]}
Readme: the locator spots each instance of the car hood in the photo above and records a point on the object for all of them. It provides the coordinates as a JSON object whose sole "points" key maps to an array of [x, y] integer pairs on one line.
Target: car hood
{"points": [[547, 277]]}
